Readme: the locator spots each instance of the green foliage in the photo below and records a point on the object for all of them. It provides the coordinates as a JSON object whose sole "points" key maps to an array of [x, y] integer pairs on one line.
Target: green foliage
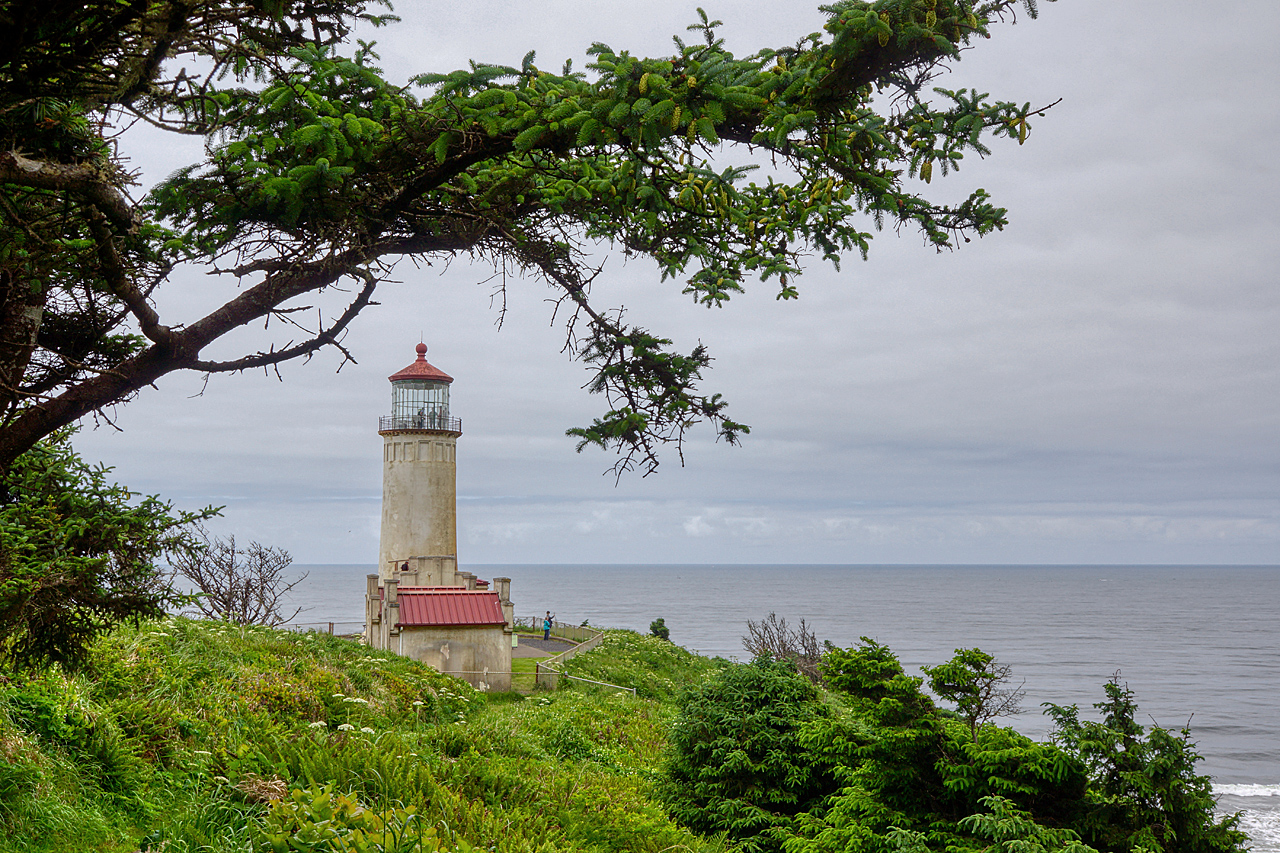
{"points": [[203, 736], [68, 778], [912, 774], [239, 715], [737, 762], [316, 820], [873, 678], [1144, 792], [96, 744], [1013, 831], [77, 555], [658, 628]]}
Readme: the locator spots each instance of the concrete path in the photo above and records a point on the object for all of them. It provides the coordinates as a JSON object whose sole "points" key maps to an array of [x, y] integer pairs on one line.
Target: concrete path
{"points": [[536, 647]]}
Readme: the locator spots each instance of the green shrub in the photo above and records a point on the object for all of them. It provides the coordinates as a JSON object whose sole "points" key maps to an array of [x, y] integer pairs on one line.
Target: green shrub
{"points": [[736, 763], [49, 711], [1144, 792]]}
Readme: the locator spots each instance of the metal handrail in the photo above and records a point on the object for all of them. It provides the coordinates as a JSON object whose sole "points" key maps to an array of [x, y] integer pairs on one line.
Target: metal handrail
{"points": [[434, 423], [617, 687]]}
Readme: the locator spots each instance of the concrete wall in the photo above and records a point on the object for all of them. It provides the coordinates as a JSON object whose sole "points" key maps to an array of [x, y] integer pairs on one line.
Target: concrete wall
{"points": [[374, 633], [431, 571], [419, 489], [463, 651]]}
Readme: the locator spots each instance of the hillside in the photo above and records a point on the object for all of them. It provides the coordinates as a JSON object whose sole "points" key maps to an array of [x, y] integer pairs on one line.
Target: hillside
{"points": [[181, 731], [188, 736]]}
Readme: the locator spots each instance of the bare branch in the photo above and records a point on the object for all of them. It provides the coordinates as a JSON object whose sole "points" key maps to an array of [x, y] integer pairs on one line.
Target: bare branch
{"points": [[246, 586], [326, 337], [771, 638]]}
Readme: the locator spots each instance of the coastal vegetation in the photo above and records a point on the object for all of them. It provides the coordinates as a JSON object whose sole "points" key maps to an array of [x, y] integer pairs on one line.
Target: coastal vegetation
{"points": [[187, 735]]}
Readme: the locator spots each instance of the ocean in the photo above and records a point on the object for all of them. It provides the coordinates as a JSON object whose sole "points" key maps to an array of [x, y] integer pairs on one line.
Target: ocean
{"points": [[1198, 645]]}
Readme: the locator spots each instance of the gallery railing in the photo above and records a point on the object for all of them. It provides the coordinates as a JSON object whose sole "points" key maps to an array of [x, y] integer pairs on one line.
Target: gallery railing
{"points": [[436, 423]]}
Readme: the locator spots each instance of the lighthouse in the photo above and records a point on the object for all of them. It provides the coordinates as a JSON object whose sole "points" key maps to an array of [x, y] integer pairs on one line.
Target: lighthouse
{"points": [[418, 604], [419, 475]]}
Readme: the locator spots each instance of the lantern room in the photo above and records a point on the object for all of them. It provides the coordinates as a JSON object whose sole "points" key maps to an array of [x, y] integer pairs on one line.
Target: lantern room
{"points": [[420, 399]]}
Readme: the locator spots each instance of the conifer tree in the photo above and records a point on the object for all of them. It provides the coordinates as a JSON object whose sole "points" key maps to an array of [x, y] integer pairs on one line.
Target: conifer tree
{"points": [[320, 174]]}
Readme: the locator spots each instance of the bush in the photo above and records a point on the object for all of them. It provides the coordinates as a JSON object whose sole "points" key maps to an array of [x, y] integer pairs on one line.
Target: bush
{"points": [[1144, 792], [737, 764], [77, 555]]}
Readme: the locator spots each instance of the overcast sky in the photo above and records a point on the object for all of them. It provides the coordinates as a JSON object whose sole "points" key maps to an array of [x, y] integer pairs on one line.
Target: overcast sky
{"points": [[1097, 383]]}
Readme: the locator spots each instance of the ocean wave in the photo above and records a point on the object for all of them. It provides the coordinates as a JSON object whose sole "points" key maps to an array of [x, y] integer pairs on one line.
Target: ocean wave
{"points": [[1259, 809], [1263, 830], [1247, 790]]}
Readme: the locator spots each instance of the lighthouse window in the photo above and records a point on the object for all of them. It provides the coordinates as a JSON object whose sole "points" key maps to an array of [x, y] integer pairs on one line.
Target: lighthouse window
{"points": [[420, 404]]}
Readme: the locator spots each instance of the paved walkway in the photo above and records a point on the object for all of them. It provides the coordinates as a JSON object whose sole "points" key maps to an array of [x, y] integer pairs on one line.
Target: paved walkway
{"points": [[536, 647]]}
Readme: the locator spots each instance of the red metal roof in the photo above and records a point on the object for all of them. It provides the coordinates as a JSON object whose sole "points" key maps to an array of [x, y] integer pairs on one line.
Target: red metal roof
{"points": [[446, 605], [422, 369]]}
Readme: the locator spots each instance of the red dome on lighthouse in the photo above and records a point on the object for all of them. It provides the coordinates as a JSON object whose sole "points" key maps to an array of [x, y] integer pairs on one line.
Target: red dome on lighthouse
{"points": [[422, 369]]}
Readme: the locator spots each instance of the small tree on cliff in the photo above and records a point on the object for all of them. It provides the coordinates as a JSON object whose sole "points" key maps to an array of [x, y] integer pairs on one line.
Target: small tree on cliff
{"points": [[978, 684], [1147, 794]]}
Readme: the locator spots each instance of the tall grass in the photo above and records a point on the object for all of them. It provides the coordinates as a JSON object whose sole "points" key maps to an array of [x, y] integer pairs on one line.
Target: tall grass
{"points": [[181, 731]]}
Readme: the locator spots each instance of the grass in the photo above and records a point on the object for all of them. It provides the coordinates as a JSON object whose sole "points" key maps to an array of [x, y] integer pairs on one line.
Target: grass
{"points": [[524, 673], [656, 668], [180, 733]]}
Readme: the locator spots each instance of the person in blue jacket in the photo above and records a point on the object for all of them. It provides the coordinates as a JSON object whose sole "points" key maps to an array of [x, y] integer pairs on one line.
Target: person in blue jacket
{"points": [[546, 626]]}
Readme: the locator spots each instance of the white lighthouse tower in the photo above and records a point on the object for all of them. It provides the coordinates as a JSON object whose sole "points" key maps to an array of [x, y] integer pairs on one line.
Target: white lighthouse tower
{"points": [[419, 476]]}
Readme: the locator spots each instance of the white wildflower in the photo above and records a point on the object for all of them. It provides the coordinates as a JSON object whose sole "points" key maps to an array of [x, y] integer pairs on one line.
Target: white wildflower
{"points": [[318, 724], [367, 730], [346, 727]]}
